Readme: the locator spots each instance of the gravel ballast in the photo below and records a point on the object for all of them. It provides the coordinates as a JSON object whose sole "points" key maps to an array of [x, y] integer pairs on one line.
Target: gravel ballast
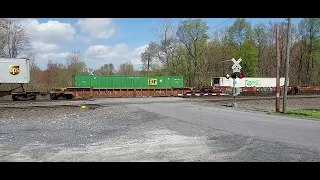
{"points": [[120, 131]]}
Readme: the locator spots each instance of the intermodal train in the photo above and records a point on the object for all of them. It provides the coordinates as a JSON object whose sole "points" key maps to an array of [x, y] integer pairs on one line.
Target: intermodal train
{"points": [[17, 71]]}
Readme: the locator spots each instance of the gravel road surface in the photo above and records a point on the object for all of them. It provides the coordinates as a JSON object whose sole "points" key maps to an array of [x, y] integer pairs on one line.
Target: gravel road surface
{"points": [[153, 129]]}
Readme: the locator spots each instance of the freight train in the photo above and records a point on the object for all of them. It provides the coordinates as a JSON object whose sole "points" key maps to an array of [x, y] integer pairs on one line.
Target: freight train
{"points": [[17, 71]]}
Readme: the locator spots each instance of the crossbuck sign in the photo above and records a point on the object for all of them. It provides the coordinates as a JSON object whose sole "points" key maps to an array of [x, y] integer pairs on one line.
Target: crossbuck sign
{"points": [[236, 67], [90, 71]]}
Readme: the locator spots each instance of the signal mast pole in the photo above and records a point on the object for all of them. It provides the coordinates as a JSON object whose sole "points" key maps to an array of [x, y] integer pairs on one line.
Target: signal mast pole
{"points": [[234, 93], [278, 71], [287, 67]]}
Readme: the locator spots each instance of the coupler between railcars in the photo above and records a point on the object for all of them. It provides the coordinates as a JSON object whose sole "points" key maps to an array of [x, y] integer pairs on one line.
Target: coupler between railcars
{"points": [[60, 94]]}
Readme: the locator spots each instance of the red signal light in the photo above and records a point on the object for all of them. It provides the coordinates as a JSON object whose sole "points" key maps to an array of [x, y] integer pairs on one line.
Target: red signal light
{"points": [[240, 75]]}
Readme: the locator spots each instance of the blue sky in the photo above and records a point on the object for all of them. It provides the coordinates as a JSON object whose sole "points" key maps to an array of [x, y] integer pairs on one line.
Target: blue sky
{"points": [[104, 40]]}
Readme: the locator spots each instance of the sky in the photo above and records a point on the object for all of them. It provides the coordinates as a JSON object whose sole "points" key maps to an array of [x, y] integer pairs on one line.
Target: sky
{"points": [[104, 40]]}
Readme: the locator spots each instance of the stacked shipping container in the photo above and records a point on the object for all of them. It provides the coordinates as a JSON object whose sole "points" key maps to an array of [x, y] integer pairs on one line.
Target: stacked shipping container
{"points": [[124, 82]]}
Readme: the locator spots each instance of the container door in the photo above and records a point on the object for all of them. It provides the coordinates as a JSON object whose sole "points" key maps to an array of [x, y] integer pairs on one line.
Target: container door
{"points": [[82, 81]]}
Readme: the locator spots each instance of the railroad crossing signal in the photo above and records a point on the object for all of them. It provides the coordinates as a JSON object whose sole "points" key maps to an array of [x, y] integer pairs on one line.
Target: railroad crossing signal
{"points": [[237, 75], [236, 67], [90, 71]]}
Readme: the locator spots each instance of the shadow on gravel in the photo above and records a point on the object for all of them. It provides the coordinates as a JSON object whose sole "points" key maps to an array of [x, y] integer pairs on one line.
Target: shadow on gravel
{"points": [[83, 106]]}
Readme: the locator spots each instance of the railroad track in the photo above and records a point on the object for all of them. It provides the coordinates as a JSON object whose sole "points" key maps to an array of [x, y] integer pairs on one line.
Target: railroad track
{"points": [[206, 98], [248, 98], [95, 105]]}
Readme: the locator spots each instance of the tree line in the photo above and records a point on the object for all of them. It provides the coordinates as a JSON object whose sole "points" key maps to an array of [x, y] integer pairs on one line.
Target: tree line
{"points": [[190, 49]]}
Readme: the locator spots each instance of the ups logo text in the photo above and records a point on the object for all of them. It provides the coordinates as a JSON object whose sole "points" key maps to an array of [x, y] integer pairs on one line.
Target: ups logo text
{"points": [[14, 69]]}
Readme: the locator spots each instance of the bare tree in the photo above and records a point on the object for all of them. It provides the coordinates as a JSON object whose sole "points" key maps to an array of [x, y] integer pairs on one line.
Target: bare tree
{"points": [[75, 64], [3, 25], [165, 51], [260, 38], [220, 35], [166, 29], [107, 69], [126, 69], [14, 39], [149, 58]]}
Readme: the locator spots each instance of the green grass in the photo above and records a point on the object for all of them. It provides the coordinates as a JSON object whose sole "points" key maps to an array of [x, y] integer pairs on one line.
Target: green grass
{"points": [[307, 113]]}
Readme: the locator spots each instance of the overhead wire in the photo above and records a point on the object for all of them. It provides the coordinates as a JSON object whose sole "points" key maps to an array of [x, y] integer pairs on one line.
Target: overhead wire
{"points": [[220, 24]]}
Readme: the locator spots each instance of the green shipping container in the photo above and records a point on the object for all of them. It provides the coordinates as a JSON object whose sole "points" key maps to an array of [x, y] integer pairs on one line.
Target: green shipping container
{"points": [[128, 81]]}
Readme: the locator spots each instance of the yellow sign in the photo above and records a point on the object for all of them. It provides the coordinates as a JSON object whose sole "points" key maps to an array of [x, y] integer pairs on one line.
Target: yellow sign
{"points": [[14, 69], [152, 82]]}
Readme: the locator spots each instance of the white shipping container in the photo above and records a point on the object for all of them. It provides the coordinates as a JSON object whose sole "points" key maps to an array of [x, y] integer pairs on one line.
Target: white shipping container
{"points": [[247, 82], [14, 70]]}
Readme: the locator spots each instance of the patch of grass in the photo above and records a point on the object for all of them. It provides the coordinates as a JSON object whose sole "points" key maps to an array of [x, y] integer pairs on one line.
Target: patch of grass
{"points": [[307, 113]]}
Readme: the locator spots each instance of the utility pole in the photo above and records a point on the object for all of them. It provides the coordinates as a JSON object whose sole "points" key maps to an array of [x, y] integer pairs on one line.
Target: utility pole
{"points": [[287, 67], [278, 71]]}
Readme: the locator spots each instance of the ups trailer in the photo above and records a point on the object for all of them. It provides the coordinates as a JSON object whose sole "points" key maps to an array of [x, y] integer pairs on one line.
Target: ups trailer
{"points": [[16, 71]]}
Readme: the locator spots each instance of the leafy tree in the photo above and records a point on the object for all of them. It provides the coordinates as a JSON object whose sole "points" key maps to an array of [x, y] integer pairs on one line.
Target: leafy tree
{"points": [[249, 54], [239, 32], [192, 34]]}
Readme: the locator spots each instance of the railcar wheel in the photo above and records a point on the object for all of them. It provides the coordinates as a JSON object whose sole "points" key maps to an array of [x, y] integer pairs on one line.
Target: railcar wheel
{"points": [[32, 97], [15, 98], [53, 97], [69, 96]]}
